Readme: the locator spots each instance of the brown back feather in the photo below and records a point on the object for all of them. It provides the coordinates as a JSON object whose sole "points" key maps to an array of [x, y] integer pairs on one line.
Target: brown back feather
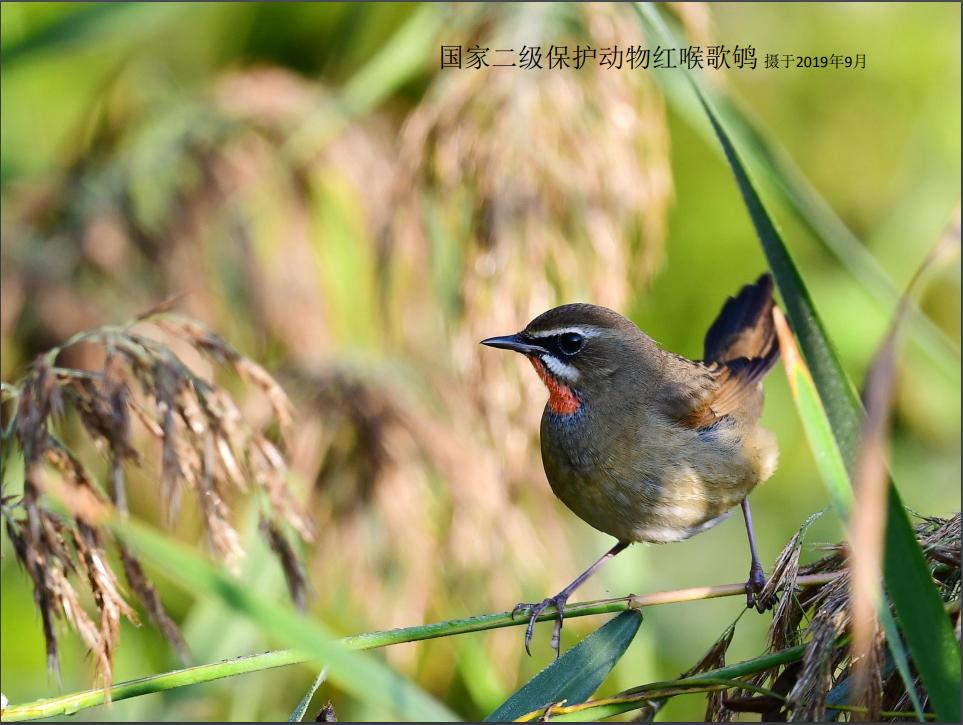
{"points": [[740, 348]]}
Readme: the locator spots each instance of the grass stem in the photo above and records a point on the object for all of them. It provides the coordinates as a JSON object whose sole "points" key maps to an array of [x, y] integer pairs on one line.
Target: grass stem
{"points": [[72, 703]]}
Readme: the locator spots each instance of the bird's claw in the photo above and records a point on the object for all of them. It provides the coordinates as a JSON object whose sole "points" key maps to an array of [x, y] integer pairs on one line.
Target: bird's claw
{"points": [[521, 607], [754, 587], [535, 611]]}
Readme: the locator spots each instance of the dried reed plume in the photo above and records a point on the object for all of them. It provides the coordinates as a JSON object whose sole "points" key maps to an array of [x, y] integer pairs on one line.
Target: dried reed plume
{"points": [[206, 447], [453, 223]]}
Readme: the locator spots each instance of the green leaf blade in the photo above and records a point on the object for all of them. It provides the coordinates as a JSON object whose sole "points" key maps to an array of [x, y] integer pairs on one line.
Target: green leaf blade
{"points": [[358, 673], [918, 605], [836, 392], [788, 184], [576, 674], [921, 613], [298, 714], [832, 467], [929, 634]]}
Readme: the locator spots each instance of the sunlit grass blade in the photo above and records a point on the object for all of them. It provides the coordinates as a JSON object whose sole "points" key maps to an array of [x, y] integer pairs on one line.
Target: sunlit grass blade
{"points": [[815, 423], [357, 673], [919, 608], [836, 391], [918, 605], [835, 476], [578, 673], [302, 707], [833, 469], [402, 56], [798, 194], [825, 226]]}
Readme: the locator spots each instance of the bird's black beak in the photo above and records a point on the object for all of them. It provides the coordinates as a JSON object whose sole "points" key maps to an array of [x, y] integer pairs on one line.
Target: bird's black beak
{"points": [[514, 342]]}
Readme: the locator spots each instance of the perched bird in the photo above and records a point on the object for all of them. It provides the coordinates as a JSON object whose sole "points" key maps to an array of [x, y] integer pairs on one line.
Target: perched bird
{"points": [[644, 444]]}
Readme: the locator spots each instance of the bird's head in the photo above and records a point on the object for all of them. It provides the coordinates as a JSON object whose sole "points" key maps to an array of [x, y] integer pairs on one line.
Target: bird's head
{"points": [[576, 349]]}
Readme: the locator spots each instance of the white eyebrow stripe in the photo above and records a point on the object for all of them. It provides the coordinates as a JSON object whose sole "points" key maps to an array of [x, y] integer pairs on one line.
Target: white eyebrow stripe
{"points": [[566, 372], [585, 332]]}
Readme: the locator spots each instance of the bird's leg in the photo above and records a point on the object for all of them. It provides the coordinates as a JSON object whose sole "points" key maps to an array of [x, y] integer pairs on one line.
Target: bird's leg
{"points": [[757, 578], [558, 601]]}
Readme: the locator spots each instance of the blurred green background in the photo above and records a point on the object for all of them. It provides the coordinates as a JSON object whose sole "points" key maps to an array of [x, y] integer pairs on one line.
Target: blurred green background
{"points": [[356, 219]]}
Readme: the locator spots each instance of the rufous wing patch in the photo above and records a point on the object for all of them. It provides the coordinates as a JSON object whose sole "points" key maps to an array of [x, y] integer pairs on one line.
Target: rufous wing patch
{"points": [[727, 388]]}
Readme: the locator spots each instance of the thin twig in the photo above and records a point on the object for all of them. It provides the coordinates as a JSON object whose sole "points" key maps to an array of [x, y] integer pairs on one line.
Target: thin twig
{"points": [[596, 710], [69, 704]]}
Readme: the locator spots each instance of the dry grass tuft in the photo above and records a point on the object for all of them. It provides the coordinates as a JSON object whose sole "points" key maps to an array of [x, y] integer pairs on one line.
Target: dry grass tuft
{"points": [[289, 254], [715, 657], [787, 615], [821, 617], [206, 447]]}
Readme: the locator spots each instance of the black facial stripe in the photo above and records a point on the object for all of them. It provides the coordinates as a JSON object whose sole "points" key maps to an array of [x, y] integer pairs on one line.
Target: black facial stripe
{"points": [[563, 346]]}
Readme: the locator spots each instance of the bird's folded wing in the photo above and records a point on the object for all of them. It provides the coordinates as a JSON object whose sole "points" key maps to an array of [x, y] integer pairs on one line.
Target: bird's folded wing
{"points": [[705, 392]]}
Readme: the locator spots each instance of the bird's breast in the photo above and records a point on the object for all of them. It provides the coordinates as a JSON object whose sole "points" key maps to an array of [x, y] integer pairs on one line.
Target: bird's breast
{"points": [[645, 480]]}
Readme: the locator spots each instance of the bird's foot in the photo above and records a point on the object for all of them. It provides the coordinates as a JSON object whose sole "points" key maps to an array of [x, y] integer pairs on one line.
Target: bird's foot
{"points": [[535, 610], [754, 587]]}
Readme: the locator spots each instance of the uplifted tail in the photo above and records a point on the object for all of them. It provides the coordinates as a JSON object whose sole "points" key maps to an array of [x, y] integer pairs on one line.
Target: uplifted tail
{"points": [[744, 329]]}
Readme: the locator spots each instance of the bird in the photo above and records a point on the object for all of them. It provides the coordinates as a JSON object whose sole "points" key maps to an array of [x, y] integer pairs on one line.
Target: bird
{"points": [[646, 445]]}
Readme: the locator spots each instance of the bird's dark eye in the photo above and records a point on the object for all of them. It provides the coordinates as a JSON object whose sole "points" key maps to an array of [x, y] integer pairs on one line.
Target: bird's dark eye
{"points": [[570, 343]]}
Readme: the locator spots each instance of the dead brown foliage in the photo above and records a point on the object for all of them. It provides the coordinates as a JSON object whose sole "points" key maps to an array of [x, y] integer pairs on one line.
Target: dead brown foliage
{"points": [[821, 618], [205, 447], [407, 432]]}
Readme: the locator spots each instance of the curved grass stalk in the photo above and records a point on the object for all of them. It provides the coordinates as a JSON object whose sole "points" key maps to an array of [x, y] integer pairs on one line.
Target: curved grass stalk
{"points": [[595, 710], [722, 678], [72, 703]]}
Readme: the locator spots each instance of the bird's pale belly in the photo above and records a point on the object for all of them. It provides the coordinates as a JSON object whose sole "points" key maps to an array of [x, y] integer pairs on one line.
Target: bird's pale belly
{"points": [[635, 510], [657, 494]]}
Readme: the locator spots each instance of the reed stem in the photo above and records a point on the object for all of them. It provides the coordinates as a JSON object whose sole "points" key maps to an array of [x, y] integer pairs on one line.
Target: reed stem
{"points": [[72, 703]]}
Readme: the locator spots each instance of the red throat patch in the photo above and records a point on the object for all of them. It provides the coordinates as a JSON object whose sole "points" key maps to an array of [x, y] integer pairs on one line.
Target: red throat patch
{"points": [[562, 400]]}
